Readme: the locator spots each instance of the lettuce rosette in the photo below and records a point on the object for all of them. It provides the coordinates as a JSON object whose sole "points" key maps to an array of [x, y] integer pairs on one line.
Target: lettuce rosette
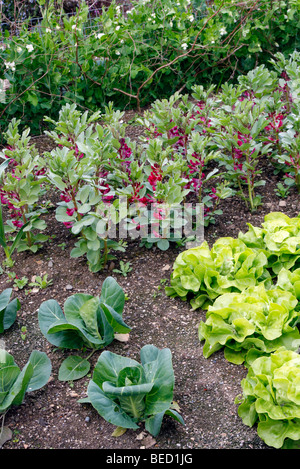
{"points": [[271, 398], [278, 238], [202, 274], [250, 324]]}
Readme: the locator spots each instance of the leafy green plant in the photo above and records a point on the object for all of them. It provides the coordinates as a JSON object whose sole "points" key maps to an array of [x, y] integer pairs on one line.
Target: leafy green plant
{"points": [[282, 190], [15, 383], [278, 238], [125, 392], [137, 57], [9, 248], [83, 167], [86, 322], [21, 187], [251, 323], [20, 283], [201, 274], [270, 399], [8, 309], [41, 282], [125, 268], [23, 332]]}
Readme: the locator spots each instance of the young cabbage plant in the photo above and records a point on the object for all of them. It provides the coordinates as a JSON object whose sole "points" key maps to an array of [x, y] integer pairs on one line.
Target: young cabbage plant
{"points": [[14, 383], [126, 392], [8, 309], [86, 322]]}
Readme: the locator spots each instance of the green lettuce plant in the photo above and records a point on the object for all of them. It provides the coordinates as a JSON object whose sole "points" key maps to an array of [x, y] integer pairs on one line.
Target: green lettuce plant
{"points": [[271, 399], [125, 392], [278, 238], [15, 383], [201, 274], [251, 323], [8, 309]]}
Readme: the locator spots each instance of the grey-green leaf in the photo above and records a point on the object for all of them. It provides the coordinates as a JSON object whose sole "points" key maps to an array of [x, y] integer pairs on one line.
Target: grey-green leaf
{"points": [[73, 368]]}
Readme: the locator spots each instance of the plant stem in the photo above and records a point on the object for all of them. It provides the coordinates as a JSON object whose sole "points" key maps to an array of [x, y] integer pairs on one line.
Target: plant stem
{"points": [[28, 235]]}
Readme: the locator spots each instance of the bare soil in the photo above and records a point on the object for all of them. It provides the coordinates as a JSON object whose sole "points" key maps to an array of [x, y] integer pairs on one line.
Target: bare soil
{"points": [[205, 389]]}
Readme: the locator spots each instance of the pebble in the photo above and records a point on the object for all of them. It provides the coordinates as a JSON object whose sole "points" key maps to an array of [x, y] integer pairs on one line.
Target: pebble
{"points": [[69, 287]]}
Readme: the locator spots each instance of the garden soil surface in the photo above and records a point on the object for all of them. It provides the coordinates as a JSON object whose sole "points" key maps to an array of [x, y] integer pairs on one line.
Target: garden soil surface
{"points": [[205, 389]]}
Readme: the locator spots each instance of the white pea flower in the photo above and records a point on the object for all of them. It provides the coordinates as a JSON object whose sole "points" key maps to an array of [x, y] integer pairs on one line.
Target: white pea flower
{"points": [[184, 45], [99, 36], [73, 26], [48, 30], [171, 24], [10, 65], [212, 41], [191, 18], [118, 52], [29, 47], [223, 31], [117, 28], [19, 49]]}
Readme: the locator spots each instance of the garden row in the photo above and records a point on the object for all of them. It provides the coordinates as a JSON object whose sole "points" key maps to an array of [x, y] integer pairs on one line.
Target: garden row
{"points": [[133, 58], [123, 391], [250, 287], [193, 152]]}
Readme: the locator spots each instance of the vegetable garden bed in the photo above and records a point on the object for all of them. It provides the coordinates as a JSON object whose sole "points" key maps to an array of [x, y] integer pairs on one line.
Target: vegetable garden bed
{"points": [[206, 385]]}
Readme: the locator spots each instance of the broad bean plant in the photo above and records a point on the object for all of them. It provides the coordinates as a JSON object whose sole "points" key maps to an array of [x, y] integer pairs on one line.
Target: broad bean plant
{"points": [[194, 150]]}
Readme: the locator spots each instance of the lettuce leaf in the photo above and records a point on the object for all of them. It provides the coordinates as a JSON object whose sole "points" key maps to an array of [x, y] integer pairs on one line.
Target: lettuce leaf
{"points": [[200, 275], [255, 322], [278, 238], [271, 397]]}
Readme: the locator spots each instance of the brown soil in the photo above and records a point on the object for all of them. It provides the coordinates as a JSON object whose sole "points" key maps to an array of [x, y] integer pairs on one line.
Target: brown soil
{"points": [[205, 389]]}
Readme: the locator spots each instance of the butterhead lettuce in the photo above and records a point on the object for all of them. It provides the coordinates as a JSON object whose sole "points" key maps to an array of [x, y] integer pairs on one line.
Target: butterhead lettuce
{"points": [[202, 274], [249, 324], [271, 398], [278, 238]]}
